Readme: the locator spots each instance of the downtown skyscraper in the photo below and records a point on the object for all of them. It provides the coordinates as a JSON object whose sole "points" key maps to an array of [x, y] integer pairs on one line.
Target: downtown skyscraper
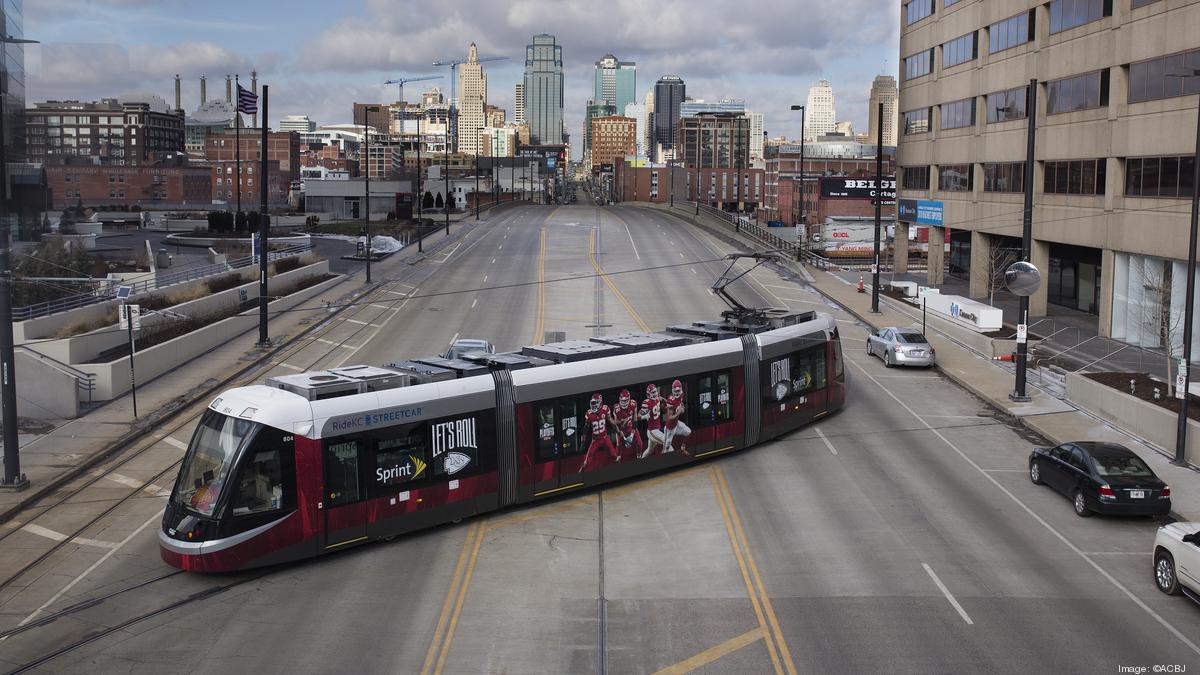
{"points": [[544, 90], [821, 117], [883, 90], [669, 93], [472, 101], [615, 82]]}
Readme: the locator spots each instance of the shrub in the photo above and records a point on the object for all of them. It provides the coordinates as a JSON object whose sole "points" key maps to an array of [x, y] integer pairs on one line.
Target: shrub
{"points": [[224, 283], [286, 265]]}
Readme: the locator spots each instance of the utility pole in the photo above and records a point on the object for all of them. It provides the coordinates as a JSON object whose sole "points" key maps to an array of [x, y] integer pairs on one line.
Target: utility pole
{"points": [[1189, 301], [801, 226], [367, 196], [264, 225], [476, 185], [420, 189], [878, 210], [13, 478], [446, 202], [1018, 393]]}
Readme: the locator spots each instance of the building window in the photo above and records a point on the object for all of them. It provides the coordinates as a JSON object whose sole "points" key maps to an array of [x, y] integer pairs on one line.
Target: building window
{"points": [[954, 178], [960, 50], [1004, 177], [1134, 4], [1010, 32], [1159, 176], [914, 177], [1081, 92], [958, 114], [916, 121], [947, 3], [918, 65], [1075, 177], [1159, 78], [916, 10], [1003, 106], [1066, 14]]}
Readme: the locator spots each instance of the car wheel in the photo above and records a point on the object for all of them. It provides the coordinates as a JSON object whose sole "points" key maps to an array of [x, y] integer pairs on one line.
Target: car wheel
{"points": [[887, 359], [1080, 505], [1035, 473], [1164, 573]]}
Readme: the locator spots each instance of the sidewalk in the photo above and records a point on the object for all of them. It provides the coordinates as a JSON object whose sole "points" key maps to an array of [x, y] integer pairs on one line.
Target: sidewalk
{"points": [[1056, 420], [52, 459]]}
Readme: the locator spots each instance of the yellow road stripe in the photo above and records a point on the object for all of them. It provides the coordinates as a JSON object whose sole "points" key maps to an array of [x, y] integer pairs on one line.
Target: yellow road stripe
{"points": [[713, 653], [645, 327], [741, 561], [458, 605], [472, 529], [539, 325], [762, 590]]}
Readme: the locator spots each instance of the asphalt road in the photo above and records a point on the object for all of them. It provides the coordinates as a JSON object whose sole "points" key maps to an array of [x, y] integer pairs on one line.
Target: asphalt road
{"points": [[901, 534]]}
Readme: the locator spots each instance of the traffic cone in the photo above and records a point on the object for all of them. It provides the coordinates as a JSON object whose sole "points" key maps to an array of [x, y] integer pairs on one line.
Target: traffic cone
{"points": [[1003, 357], [861, 288]]}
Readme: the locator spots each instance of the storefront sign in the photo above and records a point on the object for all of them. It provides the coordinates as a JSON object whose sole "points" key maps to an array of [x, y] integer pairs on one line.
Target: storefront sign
{"points": [[920, 211], [858, 188]]}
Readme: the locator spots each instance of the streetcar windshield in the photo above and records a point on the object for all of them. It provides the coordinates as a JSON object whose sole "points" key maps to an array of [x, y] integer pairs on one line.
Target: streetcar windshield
{"points": [[208, 462]]}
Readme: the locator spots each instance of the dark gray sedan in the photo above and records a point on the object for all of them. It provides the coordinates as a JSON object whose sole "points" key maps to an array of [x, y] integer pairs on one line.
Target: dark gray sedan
{"points": [[901, 347]]}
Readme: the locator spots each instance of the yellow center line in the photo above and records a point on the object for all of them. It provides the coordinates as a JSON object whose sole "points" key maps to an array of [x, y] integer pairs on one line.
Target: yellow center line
{"points": [[762, 590], [455, 580], [539, 324], [741, 560], [462, 596], [645, 327], [713, 653]]}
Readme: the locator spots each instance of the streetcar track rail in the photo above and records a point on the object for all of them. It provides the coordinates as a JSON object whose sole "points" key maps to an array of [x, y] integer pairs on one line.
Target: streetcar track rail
{"points": [[184, 415], [81, 606]]}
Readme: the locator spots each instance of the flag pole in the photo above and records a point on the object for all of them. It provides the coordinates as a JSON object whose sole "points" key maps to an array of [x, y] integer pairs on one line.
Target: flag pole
{"points": [[237, 146]]}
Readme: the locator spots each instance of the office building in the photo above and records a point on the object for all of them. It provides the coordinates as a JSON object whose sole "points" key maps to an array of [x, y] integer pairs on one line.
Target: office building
{"points": [[820, 117], [715, 140], [175, 183], [378, 116], [669, 93], [495, 116], [695, 106], [594, 109], [519, 104], [497, 141], [544, 90], [638, 112], [298, 123], [615, 82], [1113, 163], [756, 137], [472, 102], [139, 129], [883, 90], [613, 139]]}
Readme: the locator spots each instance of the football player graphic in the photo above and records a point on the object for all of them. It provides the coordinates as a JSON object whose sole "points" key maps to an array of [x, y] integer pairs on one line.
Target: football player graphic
{"points": [[675, 428], [597, 423], [624, 417], [651, 412]]}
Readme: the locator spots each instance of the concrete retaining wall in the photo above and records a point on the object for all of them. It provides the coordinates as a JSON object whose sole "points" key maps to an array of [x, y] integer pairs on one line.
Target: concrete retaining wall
{"points": [[46, 392], [112, 378], [1144, 420]]}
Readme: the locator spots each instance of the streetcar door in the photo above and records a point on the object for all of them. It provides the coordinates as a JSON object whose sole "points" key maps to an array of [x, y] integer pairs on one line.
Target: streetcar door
{"points": [[344, 498]]}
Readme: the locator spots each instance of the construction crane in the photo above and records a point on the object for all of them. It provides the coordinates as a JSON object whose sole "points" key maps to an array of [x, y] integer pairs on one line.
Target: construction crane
{"points": [[453, 64], [404, 80]]}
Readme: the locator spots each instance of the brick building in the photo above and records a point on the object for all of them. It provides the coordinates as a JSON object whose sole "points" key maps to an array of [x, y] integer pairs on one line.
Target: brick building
{"points": [[718, 187], [156, 185], [826, 198], [613, 139], [108, 131], [283, 160], [783, 163]]}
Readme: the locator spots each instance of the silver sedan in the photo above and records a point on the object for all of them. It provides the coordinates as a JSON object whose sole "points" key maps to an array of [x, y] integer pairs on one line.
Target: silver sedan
{"points": [[901, 346]]}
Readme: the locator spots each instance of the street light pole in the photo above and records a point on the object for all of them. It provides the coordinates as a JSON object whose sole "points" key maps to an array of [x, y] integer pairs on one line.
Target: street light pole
{"points": [[476, 185], [446, 167], [801, 228], [367, 196], [1019, 394], [13, 478], [878, 210], [1189, 300], [420, 189]]}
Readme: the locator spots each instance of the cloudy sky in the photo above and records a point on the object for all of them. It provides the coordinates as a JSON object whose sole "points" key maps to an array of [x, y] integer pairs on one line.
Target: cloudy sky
{"points": [[320, 57]]}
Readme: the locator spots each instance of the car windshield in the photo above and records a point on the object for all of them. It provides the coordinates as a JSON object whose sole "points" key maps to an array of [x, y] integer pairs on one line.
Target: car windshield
{"points": [[206, 466], [1122, 466], [911, 338]]}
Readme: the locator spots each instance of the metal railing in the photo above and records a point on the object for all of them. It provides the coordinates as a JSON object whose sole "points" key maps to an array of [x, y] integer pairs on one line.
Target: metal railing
{"points": [[109, 290], [85, 383]]}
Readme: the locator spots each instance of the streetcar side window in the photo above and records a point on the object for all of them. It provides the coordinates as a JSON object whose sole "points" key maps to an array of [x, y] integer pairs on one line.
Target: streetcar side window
{"points": [[567, 435], [266, 478], [544, 429], [454, 446], [401, 460], [810, 363], [724, 392], [792, 375], [838, 365], [341, 470], [706, 401]]}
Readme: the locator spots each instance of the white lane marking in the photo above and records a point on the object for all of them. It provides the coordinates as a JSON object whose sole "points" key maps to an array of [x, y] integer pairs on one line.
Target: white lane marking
{"points": [[334, 344], [630, 235], [500, 247], [291, 367], [681, 254], [485, 278], [124, 480], [946, 592], [43, 532], [474, 302], [157, 517], [175, 442], [1005, 470], [694, 271], [376, 306], [361, 322], [1041, 521], [944, 417], [1117, 553], [825, 439], [399, 293], [493, 261], [93, 542]]}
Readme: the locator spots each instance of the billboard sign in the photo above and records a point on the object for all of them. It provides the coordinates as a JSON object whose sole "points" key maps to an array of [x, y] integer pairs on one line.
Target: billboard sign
{"points": [[920, 211], [858, 188]]}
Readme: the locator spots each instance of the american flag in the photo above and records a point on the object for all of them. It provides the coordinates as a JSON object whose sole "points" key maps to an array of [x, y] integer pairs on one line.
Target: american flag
{"points": [[247, 101]]}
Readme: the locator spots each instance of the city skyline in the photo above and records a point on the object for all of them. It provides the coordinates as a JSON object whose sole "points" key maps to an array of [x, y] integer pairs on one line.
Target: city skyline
{"points": [[357, 46]]}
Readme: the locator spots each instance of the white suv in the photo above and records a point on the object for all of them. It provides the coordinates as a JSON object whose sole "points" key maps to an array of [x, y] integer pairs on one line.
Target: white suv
{"points": [[1177, 559]]}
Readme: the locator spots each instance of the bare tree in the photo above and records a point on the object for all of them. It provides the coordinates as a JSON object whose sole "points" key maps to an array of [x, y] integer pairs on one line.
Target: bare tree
{"points": [[999, 258], [1157, 316]]}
